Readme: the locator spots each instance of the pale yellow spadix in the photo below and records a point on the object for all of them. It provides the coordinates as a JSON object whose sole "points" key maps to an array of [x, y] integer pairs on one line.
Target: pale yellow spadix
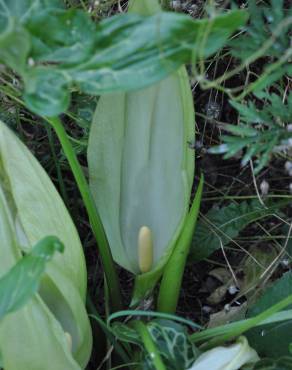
{"points": [[145, 249], [69, 340]]}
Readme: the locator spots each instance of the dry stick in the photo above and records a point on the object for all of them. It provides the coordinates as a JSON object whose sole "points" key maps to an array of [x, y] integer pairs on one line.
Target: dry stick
{"points": [[230, 239], [273, 263], [228, 263], [255, 185]]}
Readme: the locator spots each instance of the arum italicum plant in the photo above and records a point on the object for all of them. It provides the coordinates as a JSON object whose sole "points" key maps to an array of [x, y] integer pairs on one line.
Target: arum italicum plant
{"points": [[141, 169], [52, 330]]}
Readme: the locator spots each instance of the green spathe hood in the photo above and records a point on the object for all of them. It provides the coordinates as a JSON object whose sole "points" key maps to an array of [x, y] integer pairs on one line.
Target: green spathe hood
{"points": [[30, 208], [141, 167], [38, 209]]}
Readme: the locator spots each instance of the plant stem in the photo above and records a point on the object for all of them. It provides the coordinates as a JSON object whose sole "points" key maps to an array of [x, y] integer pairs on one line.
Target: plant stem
{"points": [[235, 329], [142, 329], [57, 165], [103, 332], [173, 273], [97, 228]]}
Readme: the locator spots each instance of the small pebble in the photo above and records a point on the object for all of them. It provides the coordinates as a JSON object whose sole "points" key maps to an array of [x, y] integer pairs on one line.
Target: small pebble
{"points": [[206, 309], [288, 166], [264, 186], [30, 62], [232, 289], [285, 263]]}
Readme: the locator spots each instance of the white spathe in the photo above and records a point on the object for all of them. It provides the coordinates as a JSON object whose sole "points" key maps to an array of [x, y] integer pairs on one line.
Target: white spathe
{"points": [[227, 358], [30, 209]]}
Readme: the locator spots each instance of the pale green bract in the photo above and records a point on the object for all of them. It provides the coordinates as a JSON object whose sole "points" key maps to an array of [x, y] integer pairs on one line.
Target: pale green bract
{"points": [[38, 335], [227, 358], [140, 164]]}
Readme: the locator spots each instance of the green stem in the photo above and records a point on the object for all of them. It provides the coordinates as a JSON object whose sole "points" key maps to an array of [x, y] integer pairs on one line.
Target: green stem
{"points": [[57, 165], [142, 329], [97, 228], [227, 332], [103, 332], [173, 273]]}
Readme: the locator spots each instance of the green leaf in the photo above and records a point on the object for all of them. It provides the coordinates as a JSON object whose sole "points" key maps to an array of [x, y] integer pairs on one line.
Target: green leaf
{"points": [[127, 59], [25, 9], [124, 52], [225, 224], [14, 46], [240, 130], [282, 363], [260, 131], [71, 39], [268, 78], [15, 39], [248, 112], [22, 281], [134, 52], [272, 340], [173, 343], [170, 338], [220, 334], [126, 333], [46, 91], [264, 21]]}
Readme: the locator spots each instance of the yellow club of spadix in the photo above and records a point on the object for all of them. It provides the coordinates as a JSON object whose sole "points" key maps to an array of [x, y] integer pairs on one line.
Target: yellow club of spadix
{"points": [[145, 249]]}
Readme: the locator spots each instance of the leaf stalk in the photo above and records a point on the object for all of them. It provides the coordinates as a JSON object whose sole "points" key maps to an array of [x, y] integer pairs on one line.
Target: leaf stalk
{"points": [[97, 228]]}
